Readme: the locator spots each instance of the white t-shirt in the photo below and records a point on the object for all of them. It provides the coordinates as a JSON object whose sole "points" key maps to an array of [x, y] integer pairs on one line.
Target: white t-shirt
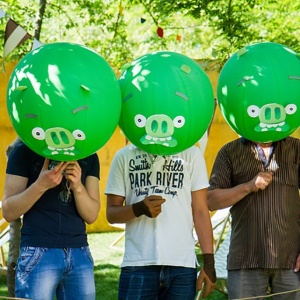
{"points": [[167, 239]]}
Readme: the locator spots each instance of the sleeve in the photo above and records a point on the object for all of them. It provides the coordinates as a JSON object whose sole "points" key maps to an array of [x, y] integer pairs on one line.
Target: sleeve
{"points": [[199, 176], [94, 166], [116, 177], [19, 161], [221, 172], [299, 176]]}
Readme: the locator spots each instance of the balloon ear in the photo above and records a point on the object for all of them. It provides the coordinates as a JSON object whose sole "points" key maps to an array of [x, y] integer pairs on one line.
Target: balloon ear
{"points": [[84, 87], [20, 88]]}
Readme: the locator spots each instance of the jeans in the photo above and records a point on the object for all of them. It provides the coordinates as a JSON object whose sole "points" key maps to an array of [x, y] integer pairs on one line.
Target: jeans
{"points": [[44, 272], [157, 282], [255, 282]]}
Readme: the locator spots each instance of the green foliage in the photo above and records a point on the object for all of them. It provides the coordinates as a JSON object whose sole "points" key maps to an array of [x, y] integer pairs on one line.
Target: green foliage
{"points": [[209, 29], [237, 23]]}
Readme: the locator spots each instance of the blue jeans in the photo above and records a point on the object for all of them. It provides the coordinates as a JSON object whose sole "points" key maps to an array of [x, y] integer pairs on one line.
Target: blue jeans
{"points": [[255, 282], [44, 272], [157, 282]]}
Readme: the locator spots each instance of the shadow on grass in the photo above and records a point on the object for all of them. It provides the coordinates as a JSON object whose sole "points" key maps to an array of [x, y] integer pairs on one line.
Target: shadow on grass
{"points": [[106, 280], [3, 286]]}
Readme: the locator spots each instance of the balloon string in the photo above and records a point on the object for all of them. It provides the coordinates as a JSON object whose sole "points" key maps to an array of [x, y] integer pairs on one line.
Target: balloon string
{"points": [[268, 296], [68, 186]]}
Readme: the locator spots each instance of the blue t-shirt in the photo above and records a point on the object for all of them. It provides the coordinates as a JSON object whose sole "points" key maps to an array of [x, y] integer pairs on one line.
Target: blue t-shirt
{"points": [[53, 221]]}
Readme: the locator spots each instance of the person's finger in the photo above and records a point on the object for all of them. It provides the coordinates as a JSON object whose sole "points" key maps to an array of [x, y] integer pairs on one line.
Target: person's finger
{"points": [[200, 281], [158, 203], [154, 197], [297, 265], [46, 164], [208, 288]]}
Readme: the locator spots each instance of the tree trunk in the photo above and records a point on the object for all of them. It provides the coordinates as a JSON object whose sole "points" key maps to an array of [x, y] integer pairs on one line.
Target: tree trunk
{"points": [[13, 254], [39, 19], [14, 242]]}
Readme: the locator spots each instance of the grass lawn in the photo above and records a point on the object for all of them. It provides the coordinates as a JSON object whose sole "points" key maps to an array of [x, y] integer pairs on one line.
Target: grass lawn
{"points": [[107, 261]]}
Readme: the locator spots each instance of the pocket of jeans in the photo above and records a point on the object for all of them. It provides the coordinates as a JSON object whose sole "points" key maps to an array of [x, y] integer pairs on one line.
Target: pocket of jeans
{"points": [[29, 258], [89, 254]]}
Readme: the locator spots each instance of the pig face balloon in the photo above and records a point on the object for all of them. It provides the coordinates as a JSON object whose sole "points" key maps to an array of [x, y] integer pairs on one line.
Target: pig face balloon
{"points": [[64, 101], [259, 92], [168, 102]]}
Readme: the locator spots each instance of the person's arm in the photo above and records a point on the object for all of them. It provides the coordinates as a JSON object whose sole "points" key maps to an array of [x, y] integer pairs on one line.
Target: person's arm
{"points": [[17, 199], [222, 198], [87, 196], [202, 223], [117, 212]]}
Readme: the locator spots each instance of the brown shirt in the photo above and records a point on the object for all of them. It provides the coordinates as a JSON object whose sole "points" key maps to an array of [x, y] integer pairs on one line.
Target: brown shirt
{"points": [[265, 224]]}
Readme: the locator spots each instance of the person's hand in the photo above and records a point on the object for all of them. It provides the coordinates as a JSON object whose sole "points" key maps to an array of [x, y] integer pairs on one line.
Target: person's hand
{"points": [[72, 173], [51, 178], [207, 279], [154, 204], [261, 181], [151, 206], [297, 265]]}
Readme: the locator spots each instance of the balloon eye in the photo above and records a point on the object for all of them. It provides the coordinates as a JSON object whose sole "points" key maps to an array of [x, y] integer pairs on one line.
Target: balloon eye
{"points": [[179, 121], [253, 111], [290, 109], [140, 120], [78, 135], [38, 133]]}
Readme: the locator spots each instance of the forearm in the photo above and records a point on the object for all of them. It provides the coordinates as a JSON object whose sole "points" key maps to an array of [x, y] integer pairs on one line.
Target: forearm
{"points": [[120, 214], [222, 198], [15, 206], [203, 227], [87, 206]]}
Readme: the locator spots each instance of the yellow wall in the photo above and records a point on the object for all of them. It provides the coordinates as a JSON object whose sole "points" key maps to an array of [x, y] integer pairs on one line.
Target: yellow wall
{"points": [[220, 133]]}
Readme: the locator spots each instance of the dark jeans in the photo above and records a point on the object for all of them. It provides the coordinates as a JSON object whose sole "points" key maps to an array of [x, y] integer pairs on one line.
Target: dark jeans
{"points": [[157, 282]]}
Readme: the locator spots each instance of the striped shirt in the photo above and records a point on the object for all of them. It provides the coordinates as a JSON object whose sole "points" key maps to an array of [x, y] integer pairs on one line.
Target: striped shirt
{"points": [[265, 224]]}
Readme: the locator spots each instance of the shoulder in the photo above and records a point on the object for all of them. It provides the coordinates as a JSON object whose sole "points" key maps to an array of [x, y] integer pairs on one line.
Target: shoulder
{"points": [[288, 143], [290, 140], [191, 154], [236, 144], [89, 160], [191, 150], [128, 151], [21, 149], [22, 161]]}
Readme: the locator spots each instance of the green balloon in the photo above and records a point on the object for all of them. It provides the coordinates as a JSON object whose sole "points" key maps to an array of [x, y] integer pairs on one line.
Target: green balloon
{"points": [[259, 92], [168, 102], [64, 101]]}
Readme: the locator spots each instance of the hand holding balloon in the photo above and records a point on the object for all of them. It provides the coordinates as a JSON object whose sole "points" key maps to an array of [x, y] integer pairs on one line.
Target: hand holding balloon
{"points": [[261, 181], [73, 174], [51, 178]]}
